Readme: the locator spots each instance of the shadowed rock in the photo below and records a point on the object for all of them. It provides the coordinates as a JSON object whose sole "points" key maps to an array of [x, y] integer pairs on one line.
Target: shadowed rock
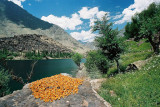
{"points": [[32, 42]]}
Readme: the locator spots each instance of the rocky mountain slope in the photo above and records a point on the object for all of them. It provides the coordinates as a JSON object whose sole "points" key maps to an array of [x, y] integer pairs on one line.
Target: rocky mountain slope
{"points": [[30, 42], [14, 20]]}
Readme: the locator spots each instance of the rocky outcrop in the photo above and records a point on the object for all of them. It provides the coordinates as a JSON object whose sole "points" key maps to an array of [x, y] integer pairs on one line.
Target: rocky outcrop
{"points": [[95, 84], [31, 42], [86, 97], [137, 65]]}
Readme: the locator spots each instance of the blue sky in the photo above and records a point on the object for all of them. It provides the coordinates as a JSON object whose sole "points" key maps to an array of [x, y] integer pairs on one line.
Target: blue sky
{"points": [[77, 16]]}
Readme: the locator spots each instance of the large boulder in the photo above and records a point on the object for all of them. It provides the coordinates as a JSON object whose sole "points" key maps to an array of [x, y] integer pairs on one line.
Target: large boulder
{"points": [[136, 65], [86, 97]]}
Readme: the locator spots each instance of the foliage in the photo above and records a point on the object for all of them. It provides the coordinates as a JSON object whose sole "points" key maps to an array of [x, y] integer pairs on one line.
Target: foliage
{"points": [[96, 60], [132, 29], [5, 54], [77, 58], [139, 89], [107, 41], [146, 25], [4, 80], [40, 55], [127, 32]]}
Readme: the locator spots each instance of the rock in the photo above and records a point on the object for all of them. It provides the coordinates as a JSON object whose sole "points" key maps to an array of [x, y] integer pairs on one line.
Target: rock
{"points": [[23, 98], [136, 65], [32, 42], [82, 73], [65, 74], [96, 83], [131, 67], [85, 103]]}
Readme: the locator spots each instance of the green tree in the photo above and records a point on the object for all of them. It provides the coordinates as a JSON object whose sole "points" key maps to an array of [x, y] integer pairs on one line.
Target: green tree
{"points": [[127, 32], [146, 25], [77, 58], [95, 59], [132, 29], [108, 41], [150, 27]]}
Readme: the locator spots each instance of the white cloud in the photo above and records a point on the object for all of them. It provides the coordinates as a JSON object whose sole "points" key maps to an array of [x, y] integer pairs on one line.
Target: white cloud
{"points": [[138, 6], [85, 36], [91, 23], [117, 16], [63, 21], [100, 14], [70, 23], [75, 22], [90, 13], [86, 13], [18, 2]]}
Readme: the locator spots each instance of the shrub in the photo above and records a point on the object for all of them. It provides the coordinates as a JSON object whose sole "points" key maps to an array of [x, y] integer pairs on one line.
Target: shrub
{"points": [[4, 80], [95, 59], [77, 58]]}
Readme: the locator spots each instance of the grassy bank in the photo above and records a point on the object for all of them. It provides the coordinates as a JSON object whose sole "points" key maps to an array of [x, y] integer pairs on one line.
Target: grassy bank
{"points": [[134, 51], [139, 88]]}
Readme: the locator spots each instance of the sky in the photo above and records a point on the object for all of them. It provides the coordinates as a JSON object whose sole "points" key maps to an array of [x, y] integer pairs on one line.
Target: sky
{"points": [[77, 16]]}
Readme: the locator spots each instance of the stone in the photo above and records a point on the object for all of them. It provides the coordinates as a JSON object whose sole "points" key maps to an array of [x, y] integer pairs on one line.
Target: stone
{"points": [[85, 103], [86, 97], [31, 42], [136, 65]]}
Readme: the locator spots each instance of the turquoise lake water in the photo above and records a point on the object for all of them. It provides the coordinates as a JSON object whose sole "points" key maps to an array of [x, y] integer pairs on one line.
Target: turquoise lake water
{"points": [[42, 69]]}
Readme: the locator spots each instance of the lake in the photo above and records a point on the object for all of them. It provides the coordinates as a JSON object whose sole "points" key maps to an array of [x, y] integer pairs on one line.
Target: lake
{"points": [[42, 69]]}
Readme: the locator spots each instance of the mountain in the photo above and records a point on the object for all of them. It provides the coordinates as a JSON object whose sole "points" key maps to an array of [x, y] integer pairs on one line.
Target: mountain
{"points": [[121, 32], [32, 42], [90, 45], [14, 20]]}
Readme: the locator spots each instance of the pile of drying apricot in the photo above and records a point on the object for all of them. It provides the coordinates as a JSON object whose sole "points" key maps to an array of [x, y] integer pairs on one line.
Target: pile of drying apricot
{"points": [[55, 87]]}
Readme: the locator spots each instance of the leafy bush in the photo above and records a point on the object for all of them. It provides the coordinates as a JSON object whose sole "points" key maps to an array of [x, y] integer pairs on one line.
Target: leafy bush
{"points": [[4, 79], [10, 57], [77, 58], [95, 59]]}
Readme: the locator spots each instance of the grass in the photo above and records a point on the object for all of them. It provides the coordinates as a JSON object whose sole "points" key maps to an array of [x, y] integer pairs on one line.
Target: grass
{"points": [[139, 89], [134, 51]]}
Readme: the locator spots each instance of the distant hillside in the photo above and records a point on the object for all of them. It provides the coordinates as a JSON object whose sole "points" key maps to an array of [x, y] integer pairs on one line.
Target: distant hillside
{"points": [[14, 20], [90, 45], [34, 42]]}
